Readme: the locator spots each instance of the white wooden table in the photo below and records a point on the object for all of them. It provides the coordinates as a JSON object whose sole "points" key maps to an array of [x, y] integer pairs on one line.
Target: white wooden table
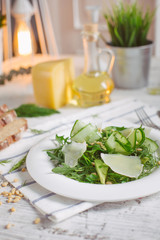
{"points": [[129, 220]]}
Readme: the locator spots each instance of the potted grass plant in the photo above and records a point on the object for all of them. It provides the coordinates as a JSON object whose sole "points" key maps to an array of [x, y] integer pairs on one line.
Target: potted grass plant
{"points": [[2, 24], [128, 26]]}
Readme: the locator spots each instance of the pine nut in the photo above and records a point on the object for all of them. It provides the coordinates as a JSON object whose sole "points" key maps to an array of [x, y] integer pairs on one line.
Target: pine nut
{"points": [[12, 209], [8, 226], [37, 220], [4, 184], [15, 180]]}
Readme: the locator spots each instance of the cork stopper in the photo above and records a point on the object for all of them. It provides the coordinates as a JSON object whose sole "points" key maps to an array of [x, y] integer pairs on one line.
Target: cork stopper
{"points": [[91, 27]]}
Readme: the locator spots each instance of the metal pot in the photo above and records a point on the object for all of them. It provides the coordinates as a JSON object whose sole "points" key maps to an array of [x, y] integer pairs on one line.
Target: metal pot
{"points": [[131, 67]]}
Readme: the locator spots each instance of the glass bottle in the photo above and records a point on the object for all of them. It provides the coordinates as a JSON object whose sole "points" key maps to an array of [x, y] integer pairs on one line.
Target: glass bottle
{"points": [[93, 86]]}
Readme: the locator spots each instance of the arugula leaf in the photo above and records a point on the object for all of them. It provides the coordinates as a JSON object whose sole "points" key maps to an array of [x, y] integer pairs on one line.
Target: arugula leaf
{"points": [[81, 173], [36, 131], [92, 178], [4, 162], [64, 169], [18, 164], [24, 183], [61, 139]]}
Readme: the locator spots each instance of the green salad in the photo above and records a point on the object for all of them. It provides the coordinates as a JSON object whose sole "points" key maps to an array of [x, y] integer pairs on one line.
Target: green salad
{"points": [[104, 156]]}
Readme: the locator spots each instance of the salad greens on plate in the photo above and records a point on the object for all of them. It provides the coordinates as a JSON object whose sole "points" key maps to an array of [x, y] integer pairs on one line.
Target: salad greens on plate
{"points": [[104, 156]]}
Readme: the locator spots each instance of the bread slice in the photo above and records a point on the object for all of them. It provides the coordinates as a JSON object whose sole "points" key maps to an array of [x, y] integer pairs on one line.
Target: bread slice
{"points": [[12, 132], [7, 117], [3, 109]]}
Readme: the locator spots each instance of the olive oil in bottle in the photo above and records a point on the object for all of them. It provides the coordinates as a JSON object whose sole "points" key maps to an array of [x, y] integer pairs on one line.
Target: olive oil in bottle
{"points": [[93, 86]]}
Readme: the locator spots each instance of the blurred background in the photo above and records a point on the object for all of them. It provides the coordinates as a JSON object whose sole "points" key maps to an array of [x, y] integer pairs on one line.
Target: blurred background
{"points": [[37, 30], [69, 16]]}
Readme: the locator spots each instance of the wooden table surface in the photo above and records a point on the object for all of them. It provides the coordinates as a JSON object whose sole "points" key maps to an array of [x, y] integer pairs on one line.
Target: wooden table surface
{"points": [[129, 220]]}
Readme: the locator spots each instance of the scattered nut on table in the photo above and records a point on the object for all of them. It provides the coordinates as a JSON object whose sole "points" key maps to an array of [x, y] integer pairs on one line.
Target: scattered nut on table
{"points": [[12, 209], [15, 180], [4, 184], [37, 220], [23, 169], [8, 226]]}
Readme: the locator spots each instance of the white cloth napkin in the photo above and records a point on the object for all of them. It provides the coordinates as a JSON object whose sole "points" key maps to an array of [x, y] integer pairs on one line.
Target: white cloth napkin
{"points": [[53, 206]]}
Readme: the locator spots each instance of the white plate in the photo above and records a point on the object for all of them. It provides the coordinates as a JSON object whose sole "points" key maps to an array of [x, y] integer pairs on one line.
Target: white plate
{"points": [[40, 168]]}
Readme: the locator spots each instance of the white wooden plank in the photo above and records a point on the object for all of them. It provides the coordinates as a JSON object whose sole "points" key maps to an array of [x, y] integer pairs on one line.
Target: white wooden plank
{"points": [[136, 219], [48, 28], [39, 27], [7, 34], [8, 14]]}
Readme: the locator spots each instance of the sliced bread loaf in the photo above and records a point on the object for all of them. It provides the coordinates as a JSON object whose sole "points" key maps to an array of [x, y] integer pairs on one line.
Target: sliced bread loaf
{"points": [[7, 117], [12, 132], [3, 109]]}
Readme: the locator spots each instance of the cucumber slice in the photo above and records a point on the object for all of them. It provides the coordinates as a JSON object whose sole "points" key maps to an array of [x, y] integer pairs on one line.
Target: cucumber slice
{"points": [[134, 136], [123, 142], [88, 133], [140, 136], [101, 169], [121, 138], [129, 166], [151, 145], [127, 132], [77, 126], [118, 143], [94, 136], [132, 139], [111, 142]]}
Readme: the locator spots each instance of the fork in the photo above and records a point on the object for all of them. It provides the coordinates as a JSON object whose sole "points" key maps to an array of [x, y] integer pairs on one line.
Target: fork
{"points": [[145, 119]]}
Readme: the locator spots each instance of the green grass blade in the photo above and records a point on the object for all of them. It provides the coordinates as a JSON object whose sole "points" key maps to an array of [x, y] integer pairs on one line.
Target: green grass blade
{"points": [[128, 25]]}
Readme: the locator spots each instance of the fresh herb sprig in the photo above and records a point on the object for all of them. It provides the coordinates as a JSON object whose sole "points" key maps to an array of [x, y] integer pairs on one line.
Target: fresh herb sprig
{"points": [[13, 73], [32, 110], [18, 164], [37, 131], [3, 162]]}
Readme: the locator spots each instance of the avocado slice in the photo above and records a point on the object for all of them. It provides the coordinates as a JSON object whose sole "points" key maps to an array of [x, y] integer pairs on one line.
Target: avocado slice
{"points": [[101, 169]]}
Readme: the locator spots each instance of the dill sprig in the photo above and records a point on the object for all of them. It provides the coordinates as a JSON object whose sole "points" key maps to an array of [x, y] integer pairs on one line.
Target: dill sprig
{"points": [[32, 110], [37, 131]]}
